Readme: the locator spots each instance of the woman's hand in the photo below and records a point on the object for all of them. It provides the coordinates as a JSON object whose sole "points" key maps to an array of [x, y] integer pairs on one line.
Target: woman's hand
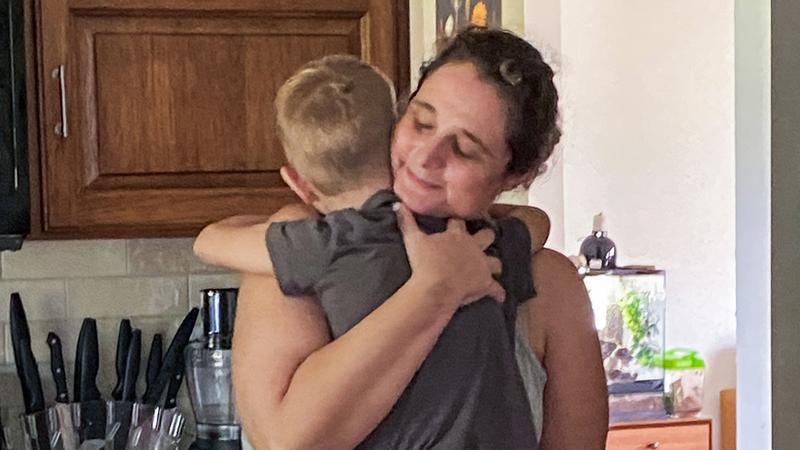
{"points": [[452, 263]]}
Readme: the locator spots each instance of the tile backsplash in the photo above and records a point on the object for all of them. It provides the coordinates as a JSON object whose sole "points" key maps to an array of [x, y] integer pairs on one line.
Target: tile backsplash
{"points": [[152, 282]]}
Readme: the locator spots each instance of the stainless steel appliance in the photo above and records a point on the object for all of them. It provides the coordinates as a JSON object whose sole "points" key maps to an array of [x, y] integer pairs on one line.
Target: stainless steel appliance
{"points": [[14, 188], [208, 374]]}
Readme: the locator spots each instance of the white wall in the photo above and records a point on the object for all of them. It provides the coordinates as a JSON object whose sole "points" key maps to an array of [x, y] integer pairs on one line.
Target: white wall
{"points": [[543, 29], [753, 346], [648, 110]]}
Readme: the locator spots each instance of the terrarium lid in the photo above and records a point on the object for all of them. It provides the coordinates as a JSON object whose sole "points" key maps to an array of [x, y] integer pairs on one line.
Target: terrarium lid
{"points": [[681, 358]]}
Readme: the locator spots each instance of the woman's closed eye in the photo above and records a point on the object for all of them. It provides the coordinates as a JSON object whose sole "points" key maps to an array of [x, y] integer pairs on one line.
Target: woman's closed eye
{"points": [[422, 126], [467, 151]]}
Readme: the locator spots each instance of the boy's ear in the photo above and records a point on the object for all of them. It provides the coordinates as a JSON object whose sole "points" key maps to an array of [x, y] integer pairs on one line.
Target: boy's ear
{"points": [[299, 185]]}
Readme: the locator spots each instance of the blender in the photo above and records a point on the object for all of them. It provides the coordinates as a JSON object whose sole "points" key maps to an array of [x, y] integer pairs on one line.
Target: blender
{"points": [[208, 374]]}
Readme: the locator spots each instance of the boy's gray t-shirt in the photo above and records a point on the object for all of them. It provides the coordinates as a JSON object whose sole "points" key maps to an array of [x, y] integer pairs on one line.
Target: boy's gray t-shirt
{"points": [[468, 393]]}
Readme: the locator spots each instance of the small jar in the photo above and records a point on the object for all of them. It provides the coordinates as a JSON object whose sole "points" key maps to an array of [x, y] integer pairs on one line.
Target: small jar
{"points": [[683, 382]]}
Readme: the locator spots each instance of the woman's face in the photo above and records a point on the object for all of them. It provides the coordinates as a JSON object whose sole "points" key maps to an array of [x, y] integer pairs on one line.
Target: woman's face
{"points": [[449, 153]]}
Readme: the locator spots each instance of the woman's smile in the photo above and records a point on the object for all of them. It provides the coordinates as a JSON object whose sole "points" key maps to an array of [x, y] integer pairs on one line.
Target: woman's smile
{"points": [[420, 181]]}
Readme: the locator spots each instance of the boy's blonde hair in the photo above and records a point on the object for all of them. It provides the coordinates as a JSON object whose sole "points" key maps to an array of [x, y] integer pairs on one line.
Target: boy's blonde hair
{"points": [[335, 117]]}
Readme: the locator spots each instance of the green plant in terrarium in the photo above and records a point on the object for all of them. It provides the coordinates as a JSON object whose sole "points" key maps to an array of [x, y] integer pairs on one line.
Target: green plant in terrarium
{"points": [[634, 312]]}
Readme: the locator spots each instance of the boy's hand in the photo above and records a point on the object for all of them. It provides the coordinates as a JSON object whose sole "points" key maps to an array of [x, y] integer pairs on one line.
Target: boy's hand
{"points": [[534, 218]]}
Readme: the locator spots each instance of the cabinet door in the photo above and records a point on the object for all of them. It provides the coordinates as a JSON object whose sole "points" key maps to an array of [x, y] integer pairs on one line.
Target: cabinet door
{"points": [[157, 114]]}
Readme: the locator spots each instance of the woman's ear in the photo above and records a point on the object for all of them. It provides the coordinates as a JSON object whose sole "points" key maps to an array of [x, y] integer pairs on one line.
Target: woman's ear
{"points": [[299, 185], [513, 180]]}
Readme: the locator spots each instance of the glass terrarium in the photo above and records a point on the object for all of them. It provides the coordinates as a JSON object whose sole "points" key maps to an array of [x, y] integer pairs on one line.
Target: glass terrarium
{"points": [[628, 309]]}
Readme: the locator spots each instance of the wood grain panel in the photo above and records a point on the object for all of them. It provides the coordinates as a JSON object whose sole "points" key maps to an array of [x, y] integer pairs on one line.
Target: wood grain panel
{"points": [[291, 7], [661, 435], [727, 418], [170, 104]]}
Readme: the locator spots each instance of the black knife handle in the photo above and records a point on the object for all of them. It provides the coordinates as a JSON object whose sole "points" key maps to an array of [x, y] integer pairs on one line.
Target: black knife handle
{"points": [[87, 363], [132, 360], [173, 357], [57, 367], [32, 388], [154, 362], [17, 310], [27, 370], [123, 341], [175, 385]]}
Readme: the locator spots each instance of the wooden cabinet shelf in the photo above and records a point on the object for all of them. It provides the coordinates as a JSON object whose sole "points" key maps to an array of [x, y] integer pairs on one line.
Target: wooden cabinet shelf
{"points": [[672, 434], [167, 105]]}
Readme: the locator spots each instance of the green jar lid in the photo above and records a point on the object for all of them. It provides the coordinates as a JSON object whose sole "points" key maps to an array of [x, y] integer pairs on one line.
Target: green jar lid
{"points": [[680, 358]]}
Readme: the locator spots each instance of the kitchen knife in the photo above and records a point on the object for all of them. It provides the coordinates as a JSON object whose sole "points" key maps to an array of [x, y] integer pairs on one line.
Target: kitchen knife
{"points": [[123, 341], [122, 411], [28, 372], [175, 385], [87, 364], [57, 367], [154, 361], [172, 359], [132, 360], [27, 369]]}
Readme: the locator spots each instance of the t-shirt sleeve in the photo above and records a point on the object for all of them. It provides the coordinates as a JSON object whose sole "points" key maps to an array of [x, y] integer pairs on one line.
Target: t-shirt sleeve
{"points": [[299, 253], [515, 244]]}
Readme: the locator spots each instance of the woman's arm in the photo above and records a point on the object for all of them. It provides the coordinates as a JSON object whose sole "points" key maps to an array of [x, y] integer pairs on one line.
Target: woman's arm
{"points": [[239, 242], [562, 333], [297, 389]]}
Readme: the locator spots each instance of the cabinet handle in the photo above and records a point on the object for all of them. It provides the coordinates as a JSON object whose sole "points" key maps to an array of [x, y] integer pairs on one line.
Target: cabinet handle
{"points": [[654, 445], [62, 129]]}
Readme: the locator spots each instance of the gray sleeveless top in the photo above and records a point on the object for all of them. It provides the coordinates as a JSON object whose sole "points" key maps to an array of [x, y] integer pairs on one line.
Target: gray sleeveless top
{"points": [[469, 392], [534, 377]]}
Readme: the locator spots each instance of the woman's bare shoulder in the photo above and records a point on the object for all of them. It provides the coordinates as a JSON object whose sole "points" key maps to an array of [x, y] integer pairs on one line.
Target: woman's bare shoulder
{"points": [[561, 295]]}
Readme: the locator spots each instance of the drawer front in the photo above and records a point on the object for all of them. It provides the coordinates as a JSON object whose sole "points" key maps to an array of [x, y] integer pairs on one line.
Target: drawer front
{"points": [[676, 437]]}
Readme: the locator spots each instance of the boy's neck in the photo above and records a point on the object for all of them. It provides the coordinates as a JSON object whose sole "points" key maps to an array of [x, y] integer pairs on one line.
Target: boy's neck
{"points": [[353, 198]]}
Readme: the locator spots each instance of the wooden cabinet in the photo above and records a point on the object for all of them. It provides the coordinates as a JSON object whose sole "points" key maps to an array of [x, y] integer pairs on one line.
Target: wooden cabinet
{"points": [[675, 434], [155, 116]]}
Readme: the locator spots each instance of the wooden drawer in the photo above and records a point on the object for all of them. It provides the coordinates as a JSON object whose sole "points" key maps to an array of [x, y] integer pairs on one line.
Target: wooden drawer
{"points": [[679, 434]]}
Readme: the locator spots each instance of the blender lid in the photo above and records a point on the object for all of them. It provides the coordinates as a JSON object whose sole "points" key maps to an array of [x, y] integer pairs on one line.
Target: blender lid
{"points": [[219, 314]]}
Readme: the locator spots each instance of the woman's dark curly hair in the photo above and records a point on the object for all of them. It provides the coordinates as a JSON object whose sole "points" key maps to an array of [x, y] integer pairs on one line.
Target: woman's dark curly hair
{"points": [[518, 72]]}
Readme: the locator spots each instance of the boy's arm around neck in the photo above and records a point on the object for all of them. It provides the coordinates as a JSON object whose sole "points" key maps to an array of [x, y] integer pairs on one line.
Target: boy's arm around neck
{"points": [[239, 242]]}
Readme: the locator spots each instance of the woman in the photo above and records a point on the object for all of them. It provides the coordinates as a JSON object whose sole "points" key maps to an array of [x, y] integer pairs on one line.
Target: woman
{"points": [[482, 121]]}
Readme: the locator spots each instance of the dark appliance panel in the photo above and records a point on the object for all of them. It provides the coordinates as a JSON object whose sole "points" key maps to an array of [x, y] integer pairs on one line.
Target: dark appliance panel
{"points": [[14, 186]]}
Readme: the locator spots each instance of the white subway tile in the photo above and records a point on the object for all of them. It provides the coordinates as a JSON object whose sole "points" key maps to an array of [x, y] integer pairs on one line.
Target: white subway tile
{"points": [[57, 259], [42, 299], [164, 256], [10, 390], [123, 297]]}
